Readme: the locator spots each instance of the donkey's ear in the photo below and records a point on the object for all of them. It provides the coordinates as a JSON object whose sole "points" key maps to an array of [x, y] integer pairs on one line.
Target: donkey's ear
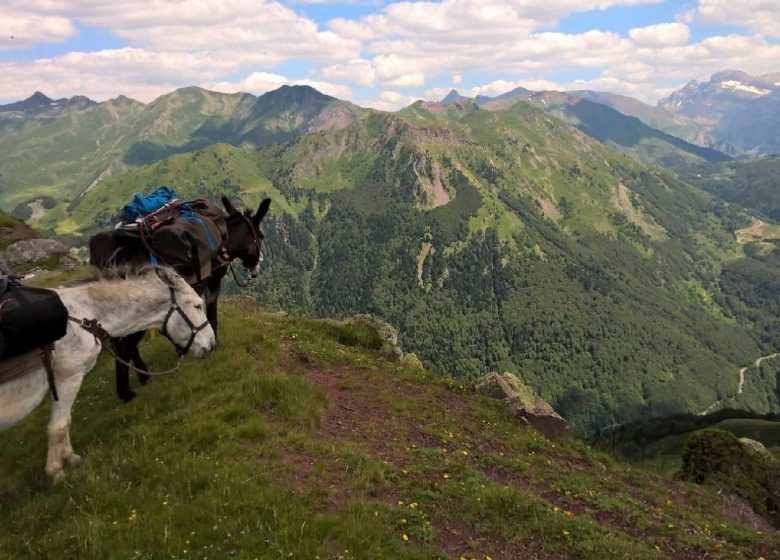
{"points": [[166, 274], [229, 206], [262, 210]]}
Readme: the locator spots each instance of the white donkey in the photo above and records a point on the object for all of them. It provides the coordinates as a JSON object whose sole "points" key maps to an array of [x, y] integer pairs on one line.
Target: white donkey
{"points": [[151, 299]]}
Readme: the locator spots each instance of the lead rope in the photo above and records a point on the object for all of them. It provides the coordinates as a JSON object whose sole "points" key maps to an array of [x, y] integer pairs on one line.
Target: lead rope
{"points": [[96, 330]]}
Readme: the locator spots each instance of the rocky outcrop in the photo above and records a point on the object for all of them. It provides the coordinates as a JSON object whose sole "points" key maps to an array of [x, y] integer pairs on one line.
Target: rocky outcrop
{"points": [[29, 251], [742, 467], [389, 335], [524, 403]]}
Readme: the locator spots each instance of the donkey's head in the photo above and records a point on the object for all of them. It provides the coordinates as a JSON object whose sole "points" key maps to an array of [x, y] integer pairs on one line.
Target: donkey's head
{"points": [[245, 235], [185, 322]]}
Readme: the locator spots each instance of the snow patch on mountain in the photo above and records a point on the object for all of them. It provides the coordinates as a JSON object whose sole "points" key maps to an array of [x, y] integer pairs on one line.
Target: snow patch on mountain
{"points": [[739, 86]]}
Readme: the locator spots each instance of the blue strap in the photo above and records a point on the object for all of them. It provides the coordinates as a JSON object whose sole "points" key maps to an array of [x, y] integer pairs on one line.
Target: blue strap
{"points": [[191, 216]]}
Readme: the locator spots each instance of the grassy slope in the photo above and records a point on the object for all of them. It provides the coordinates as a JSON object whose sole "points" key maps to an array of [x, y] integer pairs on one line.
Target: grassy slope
{"points": [[60, 158], [297, 440]]}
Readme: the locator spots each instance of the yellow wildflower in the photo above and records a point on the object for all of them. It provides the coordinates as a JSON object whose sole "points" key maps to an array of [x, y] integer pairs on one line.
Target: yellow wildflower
{"points": [[405, 537]]}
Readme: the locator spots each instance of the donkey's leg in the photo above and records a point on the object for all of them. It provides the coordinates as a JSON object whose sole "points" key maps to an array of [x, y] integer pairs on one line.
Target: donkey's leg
{"points": [[123, 389], [211, 315], [211, 304], [59, 426], [70, 457], [134, 355]]}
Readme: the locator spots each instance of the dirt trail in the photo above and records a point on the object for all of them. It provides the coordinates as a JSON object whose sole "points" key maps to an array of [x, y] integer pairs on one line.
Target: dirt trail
{"points": [[741, 384], [757, 363]]}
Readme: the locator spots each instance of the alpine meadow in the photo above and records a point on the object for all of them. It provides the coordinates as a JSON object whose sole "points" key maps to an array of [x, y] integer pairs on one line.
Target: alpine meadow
{"points": [[506, 307]]}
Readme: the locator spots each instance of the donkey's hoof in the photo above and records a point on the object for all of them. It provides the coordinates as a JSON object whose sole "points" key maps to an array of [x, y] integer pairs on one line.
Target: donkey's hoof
{"points": [[128, 396], [73, 460], [57, 477]]}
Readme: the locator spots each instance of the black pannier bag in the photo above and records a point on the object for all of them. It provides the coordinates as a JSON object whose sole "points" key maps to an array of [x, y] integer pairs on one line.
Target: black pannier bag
{"points": [[184, 235], [30, 318]]}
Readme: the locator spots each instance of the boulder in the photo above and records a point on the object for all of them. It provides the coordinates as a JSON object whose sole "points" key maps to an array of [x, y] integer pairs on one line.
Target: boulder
{"points": [[524, 403], [757, 447], [412, 362], [29, 251]]}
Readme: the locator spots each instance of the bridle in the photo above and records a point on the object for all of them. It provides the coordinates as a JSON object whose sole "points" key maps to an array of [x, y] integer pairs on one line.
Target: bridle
{"points": [[175, 308], [251, 274]]}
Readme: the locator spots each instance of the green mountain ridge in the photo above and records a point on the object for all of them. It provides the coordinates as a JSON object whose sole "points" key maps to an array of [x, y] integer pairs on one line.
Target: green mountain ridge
{"points": [[300, 439], [508, 241], [64, 156], [660, 119], [629, 133]]}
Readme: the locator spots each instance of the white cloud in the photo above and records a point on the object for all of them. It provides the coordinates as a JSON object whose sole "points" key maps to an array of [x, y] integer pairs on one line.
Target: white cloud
{"points": [[137, 73], [401, 63], [686, 16], [391, 101], [240, 45], [261, 82], [171, 43], [759, 16], [660, 35], [251, 31], [21, 28]]}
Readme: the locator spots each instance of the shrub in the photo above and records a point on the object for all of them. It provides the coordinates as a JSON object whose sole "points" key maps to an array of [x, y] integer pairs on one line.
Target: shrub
{"points": [[718, 458]]}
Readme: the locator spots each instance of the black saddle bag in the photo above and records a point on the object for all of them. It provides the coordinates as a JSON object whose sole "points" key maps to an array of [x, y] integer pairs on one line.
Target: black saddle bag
{"points": [[30, 318]]}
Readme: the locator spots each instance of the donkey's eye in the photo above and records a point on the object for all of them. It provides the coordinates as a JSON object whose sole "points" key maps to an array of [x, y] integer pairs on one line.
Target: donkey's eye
{"points": [[199, 306]]}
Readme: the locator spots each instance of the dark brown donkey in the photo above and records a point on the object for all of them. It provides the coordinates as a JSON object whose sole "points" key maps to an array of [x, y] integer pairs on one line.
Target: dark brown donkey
{"points": [[242, 242]]}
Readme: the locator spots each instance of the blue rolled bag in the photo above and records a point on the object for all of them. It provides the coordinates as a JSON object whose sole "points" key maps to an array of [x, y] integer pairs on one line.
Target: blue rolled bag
{"points": [[185, 235]]}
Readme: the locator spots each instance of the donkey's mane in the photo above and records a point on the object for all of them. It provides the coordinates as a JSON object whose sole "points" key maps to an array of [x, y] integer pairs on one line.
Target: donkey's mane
{"points": [[122, 272]]}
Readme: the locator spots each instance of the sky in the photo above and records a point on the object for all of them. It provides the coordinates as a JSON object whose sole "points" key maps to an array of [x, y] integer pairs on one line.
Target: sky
{"points": [[376, 53]]}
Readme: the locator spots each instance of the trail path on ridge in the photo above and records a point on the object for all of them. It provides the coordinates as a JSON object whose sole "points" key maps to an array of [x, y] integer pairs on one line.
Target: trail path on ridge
{"points": [[757, 363], [741, 384]]}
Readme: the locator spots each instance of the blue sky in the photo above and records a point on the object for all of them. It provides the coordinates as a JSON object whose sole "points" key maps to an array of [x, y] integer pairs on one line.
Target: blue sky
{"points": [[382, 54]]}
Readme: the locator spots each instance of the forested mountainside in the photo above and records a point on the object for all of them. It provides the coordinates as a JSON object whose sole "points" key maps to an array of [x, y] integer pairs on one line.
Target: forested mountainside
{"points": [[752, 183], [503, 240]]}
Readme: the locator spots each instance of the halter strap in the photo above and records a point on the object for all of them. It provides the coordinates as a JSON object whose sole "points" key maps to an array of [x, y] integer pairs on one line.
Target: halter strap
{"points": [[95, 329], [175, 308], [258, 241]]}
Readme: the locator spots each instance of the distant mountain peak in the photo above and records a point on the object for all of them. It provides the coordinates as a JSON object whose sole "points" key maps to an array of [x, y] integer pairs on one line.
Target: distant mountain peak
{"points": [[295, 94], [36, 103], [453, 97], [731, 75], [733, 107], [39, 96]]}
